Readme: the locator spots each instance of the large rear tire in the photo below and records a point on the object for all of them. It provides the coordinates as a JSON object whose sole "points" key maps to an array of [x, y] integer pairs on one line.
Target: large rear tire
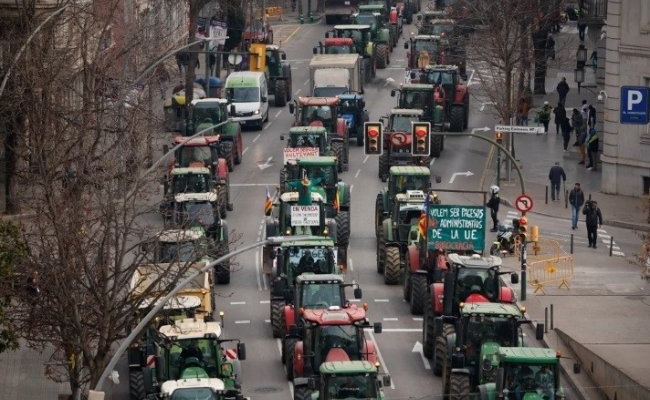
{"points": [[436, 145], [277, 318], [382, 55], [342, 228], [381, 247], [456, 118], [136, 385], [222, 201], [301, 392], [428, 332], [287, 349], [406, 282], [379, 214], [418, 293], [447, 329], [227, 151], [337, 150], [440, 349], [383, 169], [280, 94], [459, 387], [392, 266]]}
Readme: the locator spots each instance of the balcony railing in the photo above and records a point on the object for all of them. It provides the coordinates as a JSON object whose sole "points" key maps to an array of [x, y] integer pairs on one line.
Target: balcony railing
{"points": [[594, 11]]}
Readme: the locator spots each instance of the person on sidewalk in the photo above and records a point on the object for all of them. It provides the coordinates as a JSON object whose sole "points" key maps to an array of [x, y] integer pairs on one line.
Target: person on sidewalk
{"points": [[556, 175], [582, 27], [550, 47], [493, 205], [593, 219], [522, 112], [560, 115], [566, 133], [591, 121], [544, 116], [576, 199], [592, 149], [562, 90]]}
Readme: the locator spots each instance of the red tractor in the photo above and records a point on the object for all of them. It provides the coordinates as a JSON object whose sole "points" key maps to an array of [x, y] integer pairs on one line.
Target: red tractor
{"points": [[332, 334], [335, 46], [398, 140], [324, 111]]}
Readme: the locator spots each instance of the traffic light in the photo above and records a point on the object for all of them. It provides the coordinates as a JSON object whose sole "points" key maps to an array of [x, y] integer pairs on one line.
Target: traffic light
{"points": [[420, 145], [498, 137], [523, 228], [373, 138]]}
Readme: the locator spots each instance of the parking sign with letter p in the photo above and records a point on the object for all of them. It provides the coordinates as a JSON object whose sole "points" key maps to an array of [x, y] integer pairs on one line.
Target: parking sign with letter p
{"points": [[635, 107]]}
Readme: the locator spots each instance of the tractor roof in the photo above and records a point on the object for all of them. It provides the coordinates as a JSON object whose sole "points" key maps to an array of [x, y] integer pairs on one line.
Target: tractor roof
{"points": [[423, 38], [323, 241], [528, 355], [189, 328], [175, 303], [417, 87], [407, 111], [335, 315], [272, 47], [169, 387], [179, 235], [197, 141], [338, 42], [195, 197], [292, 197], [475, 260], [437, 67], [372, 7], [411, 196], [501, 309], [351, 27], [433, 13], [208, 101], [442, 21], [400, 170], [307, 130], [190, 171], [318, 101], [347, 367], [317, 161], [350, 96], [319, 278]]}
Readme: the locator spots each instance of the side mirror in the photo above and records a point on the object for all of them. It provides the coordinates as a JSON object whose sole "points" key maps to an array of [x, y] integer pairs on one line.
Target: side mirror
{"points": [[438, 179], [385, 380], [377, 327], [233, 110], [283, 56], [241, 351], [392, 93], [314, 50], [264, 99], [292, 108], [406, 45], [357, 293], [281, 137], [145, 247], [514, 278], [539, 331]]}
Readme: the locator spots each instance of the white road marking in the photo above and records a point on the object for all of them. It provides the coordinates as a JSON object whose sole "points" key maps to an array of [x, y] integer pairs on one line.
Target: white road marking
{"points": [[244, 152], [306, 82], [350, 265], [366, 159], [258, 272], [243, 321], [268, 125], [381, 300], [390, 319], [256, 137], [351, 188], [267, 321], [417, 319], [469, 81], [265, 301], [357, 174], [237, 303], [278, 113], [433, 159], [297, 91]]}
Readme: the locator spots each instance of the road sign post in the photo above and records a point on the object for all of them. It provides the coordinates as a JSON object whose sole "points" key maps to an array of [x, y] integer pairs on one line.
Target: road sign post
{"points": [[524, 203]]}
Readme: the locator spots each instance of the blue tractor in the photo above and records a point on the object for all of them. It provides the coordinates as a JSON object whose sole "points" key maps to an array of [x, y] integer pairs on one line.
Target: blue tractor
{"points": [[352, 110]]}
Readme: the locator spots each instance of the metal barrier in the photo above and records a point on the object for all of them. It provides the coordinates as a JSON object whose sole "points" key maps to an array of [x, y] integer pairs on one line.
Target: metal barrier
{"points": [[274, 12], [553, 270]]}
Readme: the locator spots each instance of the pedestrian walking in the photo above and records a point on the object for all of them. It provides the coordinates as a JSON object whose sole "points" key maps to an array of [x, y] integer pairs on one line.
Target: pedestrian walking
{"points": [[576, 199], [544, 115], [550, 47], [593, 219], [566, 133], [562, 90], [592, 149], [582, 27], [556, 175], [522, 112], [493, 205], [581, 136], [560, 116], [594, 59], [591, 120]]}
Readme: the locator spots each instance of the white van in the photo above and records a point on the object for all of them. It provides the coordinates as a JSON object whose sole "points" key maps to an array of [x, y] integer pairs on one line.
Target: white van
{"points": [[248, 93]]}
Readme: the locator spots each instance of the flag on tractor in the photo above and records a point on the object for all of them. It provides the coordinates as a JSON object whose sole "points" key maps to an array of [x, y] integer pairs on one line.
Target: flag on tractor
{"points": [[268, 204], [423, 222]]}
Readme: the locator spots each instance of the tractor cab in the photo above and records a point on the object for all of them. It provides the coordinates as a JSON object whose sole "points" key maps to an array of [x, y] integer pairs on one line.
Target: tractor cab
{"points": [[205, 113], [442, 75], [335, 46], [177, 246], [308, 137], [359, 33]]}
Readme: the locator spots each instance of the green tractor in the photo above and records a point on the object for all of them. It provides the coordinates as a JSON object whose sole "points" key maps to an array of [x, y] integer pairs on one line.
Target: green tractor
{"points": [[346, 380], [520, 373], [374, 56], [400, 179], [186, 351], [376, 15], [185, 182], [312, 141], [322, 172], [278, 75]]}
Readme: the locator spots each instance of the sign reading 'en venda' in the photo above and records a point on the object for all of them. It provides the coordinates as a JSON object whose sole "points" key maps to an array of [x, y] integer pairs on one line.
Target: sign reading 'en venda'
{"points": [[305, 216], [456, 227]]}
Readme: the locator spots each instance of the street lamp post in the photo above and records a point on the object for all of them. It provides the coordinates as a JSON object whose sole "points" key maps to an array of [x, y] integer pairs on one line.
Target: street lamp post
{"points": [[581, 60], [98, 393]]}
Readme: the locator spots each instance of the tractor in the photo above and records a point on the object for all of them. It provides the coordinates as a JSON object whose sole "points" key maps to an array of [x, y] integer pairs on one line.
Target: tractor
{"points": [[399, 230], [379, 33], [204, 115], [426, 17], [519, 373], [398, 140], [374, 56], [423, 50], [271, 60], [322, 172], [324, 111], [479, 332], [452, 95], [344, 380], [424, 97], [352, 110], [400, 179], [196, 180], [205, 151], [335, 46], [466, 279], [172, 356], [331, 334]]}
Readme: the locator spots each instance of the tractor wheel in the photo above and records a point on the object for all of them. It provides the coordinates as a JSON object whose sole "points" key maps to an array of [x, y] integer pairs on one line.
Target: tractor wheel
{"points": [[360, 137], [382, 55], [280, 94], [283, 180], [286, 72], [301, 392], [466, 113], [418, 293], [238, 154], [287, 347], [447, 329], [136, 385], [406, 282], [436, 145], [428, 332], [342, 228], [222, 201], [381, 257], [459, 387], [392, 267], [277, 318], [222, 273], [227, 151], [379, 214], [337, 150], [456, 118], [383, 168], [440, 349]]}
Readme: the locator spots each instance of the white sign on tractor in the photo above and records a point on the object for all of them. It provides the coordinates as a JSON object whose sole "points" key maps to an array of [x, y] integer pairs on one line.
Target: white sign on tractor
{"points": [[305, 215], [295, 153]]}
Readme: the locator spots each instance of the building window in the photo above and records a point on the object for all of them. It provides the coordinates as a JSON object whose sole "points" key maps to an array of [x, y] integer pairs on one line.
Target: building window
{"points": [[645, 18]]}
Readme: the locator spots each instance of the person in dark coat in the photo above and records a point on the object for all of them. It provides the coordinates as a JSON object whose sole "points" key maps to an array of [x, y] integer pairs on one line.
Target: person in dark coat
{"points": [[550, 47], [592, 148], [576, 199], [591, 120], [560, 115], [562, 90], [493, 205], [566, 133], [593, 219], [556, 175]]}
